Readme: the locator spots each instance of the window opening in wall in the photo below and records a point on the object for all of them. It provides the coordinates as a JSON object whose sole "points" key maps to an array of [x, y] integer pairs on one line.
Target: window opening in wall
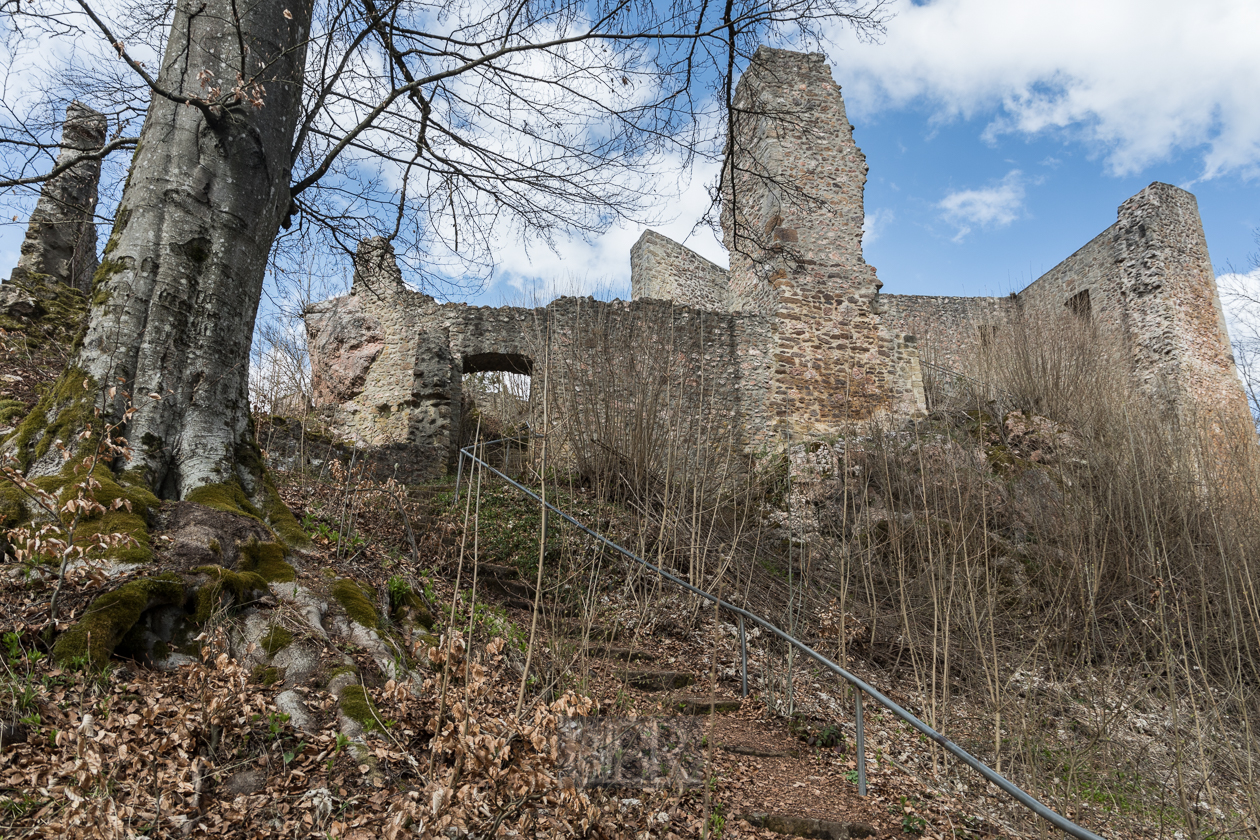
{"points": [[1078, 304], [986, 335]]}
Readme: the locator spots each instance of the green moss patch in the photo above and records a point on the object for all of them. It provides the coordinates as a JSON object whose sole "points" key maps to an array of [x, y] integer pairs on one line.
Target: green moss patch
{"points": [[241, 586], [267, 559], [338, 671], [11, 410], [63, 410], [357, 602], [410, 606], [267, 675], [276, 640], [358, 706], [229, 497], [111, 616]]}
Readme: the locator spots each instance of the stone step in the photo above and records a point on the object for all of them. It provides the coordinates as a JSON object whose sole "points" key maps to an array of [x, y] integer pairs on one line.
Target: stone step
{"points": [[623, 653], [758, 752], [656, 680], [703, 705], [808, 827]]}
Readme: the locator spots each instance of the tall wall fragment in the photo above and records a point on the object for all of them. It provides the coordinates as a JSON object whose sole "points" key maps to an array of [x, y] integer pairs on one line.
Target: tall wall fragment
{"points": [[60, 244], [792, 217]]}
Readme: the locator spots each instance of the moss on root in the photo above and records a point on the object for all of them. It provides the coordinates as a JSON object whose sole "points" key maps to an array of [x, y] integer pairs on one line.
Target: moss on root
{"points": [[240, 585], [410, 606], [64, 409], [358, 706], [357, 602], [111, 616], [275, 640], [232, 498], [11, 410], [228, 497], [14, 509], [267, 559]]}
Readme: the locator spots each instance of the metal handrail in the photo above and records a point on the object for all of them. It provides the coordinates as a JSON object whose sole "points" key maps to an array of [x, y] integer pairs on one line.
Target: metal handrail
{"points": [[1025, 799]]}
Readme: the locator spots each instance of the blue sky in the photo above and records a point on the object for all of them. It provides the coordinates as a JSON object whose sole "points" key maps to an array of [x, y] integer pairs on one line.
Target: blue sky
{"points": [[1003, 135]]}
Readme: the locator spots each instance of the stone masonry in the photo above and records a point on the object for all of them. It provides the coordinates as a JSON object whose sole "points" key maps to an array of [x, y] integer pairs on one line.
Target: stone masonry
{"points": [[60, 244], [1146, 281], [794, 341]]}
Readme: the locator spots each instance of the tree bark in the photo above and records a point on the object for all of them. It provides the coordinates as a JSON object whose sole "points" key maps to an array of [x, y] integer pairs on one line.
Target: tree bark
{"points": [[175, 297]]}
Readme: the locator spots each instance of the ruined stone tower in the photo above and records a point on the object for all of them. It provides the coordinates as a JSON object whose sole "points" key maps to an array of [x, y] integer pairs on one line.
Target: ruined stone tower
{"points": [[60, 244], [792, 219]]}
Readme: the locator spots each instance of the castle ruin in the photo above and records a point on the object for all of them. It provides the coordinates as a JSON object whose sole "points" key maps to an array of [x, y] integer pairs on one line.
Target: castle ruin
{"points": [[795, 339]]}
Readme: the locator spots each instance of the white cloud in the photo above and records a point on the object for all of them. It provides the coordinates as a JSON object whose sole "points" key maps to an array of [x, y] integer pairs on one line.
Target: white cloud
{"points": [[1137, 80], [601, 266], [994, 206], [1240, 299], [875, 223]]}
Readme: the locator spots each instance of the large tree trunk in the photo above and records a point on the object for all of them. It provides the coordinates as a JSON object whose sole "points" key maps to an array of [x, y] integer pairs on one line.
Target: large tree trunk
{"points": [[175, 297]]}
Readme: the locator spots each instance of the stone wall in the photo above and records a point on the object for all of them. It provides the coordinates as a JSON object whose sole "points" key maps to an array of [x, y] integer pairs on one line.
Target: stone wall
{"points": [[792, 220], [631, 376], [796, 340], [1146, 283], [662, 269]]}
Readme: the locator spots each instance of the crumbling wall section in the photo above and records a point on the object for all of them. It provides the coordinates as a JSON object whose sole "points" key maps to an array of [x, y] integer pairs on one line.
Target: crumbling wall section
{"points": [[1149, 281], [1145, 283], [663, 269]]}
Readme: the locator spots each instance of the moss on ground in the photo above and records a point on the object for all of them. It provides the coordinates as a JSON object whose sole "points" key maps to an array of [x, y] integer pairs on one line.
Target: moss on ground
{"points": [[358, 706], [267, 559], [357, 602], [111, 616], [240, 585], [276, 640]]}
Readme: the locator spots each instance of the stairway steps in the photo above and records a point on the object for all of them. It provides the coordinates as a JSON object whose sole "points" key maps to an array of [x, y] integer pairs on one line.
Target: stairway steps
{"points": [[656, 680], [808, 827], [705, 705]]}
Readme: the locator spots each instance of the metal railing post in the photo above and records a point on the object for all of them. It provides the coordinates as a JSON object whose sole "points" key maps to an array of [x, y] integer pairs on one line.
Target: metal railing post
{"points": [[743, 660], [459, 474], [860, 747]]}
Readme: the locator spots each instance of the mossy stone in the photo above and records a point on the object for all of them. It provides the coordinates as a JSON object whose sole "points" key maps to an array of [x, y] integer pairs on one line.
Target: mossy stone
{"points": [[112, 615], [338, 671], [240, 585], [357, 602], [410, 605], [267, 675], [267, 559], [358, 706]]}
